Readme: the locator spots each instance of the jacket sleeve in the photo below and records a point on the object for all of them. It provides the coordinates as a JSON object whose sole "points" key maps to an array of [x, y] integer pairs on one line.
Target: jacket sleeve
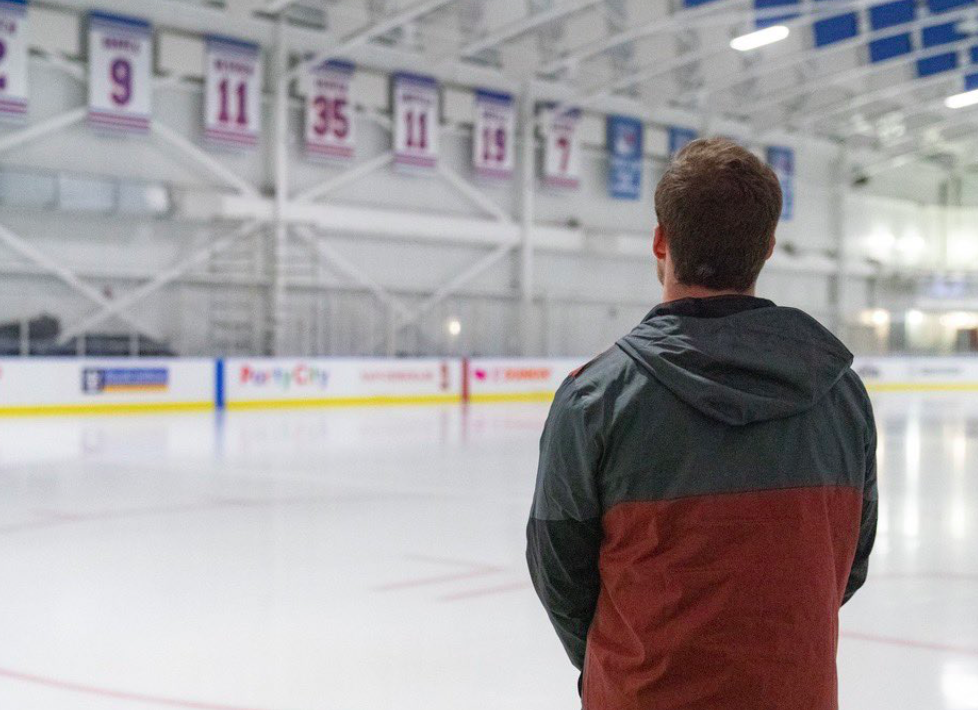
{"points": [[564, 532], [870, 510]]}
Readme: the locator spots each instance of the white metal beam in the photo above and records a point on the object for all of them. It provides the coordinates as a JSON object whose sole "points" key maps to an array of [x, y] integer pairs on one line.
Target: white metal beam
{"points": [[345, 178], [39, 130], [19, 245], [345, 267], [373, 31], [161, 280], [771, 99], [480, 199], [520, 27], [681, 19], [203, 159]]}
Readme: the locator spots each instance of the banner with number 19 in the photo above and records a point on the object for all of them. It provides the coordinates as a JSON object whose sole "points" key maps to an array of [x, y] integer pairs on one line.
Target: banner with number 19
{"points": [[120, 73], [232, 105], [494, 133]]}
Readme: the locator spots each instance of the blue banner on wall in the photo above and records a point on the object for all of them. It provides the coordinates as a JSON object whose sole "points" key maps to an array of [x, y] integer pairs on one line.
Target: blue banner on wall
{"points": [[679, 137], [782, 161], [625, 146]]}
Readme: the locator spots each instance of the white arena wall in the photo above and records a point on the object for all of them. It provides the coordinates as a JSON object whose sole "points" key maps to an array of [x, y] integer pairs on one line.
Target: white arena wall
{"points": [[382, 265]]}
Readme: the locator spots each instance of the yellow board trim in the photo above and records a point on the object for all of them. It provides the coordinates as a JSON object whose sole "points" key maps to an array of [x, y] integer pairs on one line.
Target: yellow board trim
{"points": [[379, 401], [513, 397], [106, 408]]}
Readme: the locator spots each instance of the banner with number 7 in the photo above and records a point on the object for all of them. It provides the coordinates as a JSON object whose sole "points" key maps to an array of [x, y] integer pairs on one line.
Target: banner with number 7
{"points": [[562, 151], [232, 102], [120, 73]]}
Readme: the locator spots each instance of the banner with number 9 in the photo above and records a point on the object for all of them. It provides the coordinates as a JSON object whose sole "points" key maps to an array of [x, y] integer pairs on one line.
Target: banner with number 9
{"points": [[562, 152], [120, 73], [232, 104], [330, 128]]}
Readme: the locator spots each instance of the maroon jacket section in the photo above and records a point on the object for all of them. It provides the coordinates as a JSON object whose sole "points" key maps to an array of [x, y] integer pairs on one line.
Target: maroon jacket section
{"points": [[722, 602]]}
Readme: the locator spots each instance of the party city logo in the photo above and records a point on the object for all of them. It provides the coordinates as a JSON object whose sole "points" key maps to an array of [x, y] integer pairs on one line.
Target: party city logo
{"points": [[300, 376]]}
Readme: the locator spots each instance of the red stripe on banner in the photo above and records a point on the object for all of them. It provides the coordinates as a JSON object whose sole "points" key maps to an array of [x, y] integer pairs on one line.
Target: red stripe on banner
{"points": [[230, 137], [561, 182], [410, 160], [13, 104], [326, 150], [116, 120], [494, 174]]}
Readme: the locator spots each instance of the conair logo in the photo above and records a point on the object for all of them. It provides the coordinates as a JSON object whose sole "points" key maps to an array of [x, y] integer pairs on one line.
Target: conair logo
{"points": [[301, 375], [513, 374]]}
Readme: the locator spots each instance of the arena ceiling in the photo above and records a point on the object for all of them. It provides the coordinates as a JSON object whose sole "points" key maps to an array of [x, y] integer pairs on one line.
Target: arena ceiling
{"points": [[873, 74]]}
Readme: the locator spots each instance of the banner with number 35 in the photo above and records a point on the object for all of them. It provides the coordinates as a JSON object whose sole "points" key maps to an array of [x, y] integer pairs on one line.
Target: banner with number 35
{"points": [[330, 130]]}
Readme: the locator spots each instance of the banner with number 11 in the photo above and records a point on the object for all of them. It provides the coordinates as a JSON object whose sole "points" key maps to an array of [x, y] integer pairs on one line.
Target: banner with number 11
{"points": [[232, 106], [417, 113]]}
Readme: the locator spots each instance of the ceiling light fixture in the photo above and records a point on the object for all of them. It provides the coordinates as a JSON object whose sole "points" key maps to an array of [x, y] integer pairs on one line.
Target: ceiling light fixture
{"points": [[761, 38], [968, 98]]}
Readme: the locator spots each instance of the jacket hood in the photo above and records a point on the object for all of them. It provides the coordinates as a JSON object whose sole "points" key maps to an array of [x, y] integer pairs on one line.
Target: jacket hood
{"points": [[737, 359]]}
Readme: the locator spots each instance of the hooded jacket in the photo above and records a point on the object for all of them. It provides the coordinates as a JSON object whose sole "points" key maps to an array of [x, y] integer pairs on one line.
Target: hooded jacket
{"points": [[705, 503]]}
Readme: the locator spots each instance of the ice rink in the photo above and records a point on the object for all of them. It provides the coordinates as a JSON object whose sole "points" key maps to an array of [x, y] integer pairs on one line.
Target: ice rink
{"points": [[372, 559]]}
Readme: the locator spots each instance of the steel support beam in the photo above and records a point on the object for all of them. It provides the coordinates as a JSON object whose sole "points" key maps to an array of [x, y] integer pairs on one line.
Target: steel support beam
{"points": [[279, 234], [203, 159], [520, 27], [528, 176], [345, 178], [163, 278], [20, 246], [39, 130], [372, 32]]}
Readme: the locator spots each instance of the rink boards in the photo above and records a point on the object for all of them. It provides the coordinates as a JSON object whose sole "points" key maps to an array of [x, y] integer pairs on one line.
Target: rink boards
{"points": [[31, 386]]}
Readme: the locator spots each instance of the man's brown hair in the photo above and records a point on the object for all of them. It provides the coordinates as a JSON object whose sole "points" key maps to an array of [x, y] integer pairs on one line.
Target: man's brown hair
{"points": [[719, 205]]}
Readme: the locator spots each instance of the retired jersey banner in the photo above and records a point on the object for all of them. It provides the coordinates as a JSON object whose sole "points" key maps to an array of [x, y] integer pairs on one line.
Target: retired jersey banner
{"points": [[13, 59], [232, 103], [625, 145], [679, 138], [329, 112], [562, 149], [120, 73], [782, 161], [417, 112], [494, 133]]}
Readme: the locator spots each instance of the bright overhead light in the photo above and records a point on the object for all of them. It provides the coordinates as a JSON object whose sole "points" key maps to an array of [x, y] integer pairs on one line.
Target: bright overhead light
{"points": [[915, 317], [454, 327], [753, 40], [968, 98]]}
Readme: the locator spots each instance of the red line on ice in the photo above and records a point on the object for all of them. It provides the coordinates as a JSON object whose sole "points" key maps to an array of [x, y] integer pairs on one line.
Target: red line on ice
{"points": [[72, 687], [486, 591], [442, 579], [910, 643]]}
